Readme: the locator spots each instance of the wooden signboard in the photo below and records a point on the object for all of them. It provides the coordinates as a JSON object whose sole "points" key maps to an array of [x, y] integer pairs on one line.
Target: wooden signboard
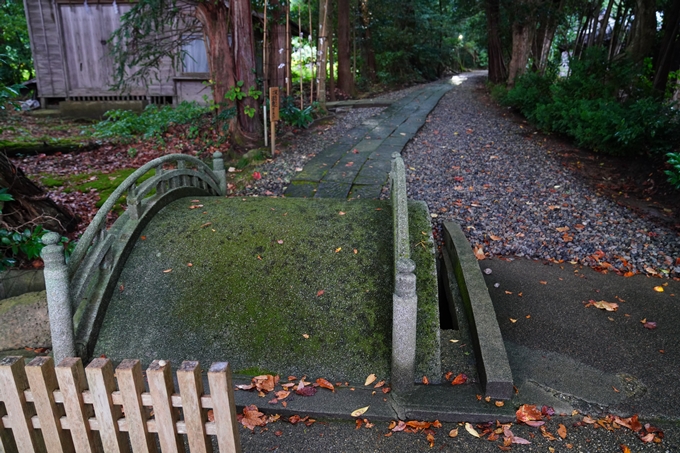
{"points": [[274, 104]]}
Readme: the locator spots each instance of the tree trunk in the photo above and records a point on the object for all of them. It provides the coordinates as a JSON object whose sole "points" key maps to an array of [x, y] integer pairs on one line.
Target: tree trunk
{"points": [[369, 53], [497, 70], [644, 31], [345, 78], [605, 23], [215, 20], [31, 206], [331, 69], [322, 52], [277, 45], [249, 130], [669, 47], [522, 36], [552, 22]]}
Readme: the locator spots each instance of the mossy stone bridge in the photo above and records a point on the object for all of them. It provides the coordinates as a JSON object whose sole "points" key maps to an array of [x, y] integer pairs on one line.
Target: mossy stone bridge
{"points": [[322, 287]]}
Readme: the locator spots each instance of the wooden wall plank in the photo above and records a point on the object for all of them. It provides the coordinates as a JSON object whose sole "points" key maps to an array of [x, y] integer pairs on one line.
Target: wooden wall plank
{"points": [[13, 383], [161, 388], [191, 390], [43, 382], [72, 383], [224, 409], [7, 444], [131, 386]]}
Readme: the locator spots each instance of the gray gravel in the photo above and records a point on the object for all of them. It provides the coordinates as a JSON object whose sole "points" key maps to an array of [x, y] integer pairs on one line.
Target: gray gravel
{"points": [[512, 196]]}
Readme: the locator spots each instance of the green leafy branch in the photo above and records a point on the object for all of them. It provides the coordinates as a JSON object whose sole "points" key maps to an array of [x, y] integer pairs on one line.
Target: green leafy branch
{"points": [[236, 93]]}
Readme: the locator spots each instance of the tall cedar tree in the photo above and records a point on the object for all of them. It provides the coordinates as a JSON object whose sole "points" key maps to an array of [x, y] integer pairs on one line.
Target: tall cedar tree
{"points": [[345, 76]]}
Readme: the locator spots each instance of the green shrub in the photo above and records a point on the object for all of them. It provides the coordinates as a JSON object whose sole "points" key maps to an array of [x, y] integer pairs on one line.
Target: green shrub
{"points": [[16, 246], [292, 115], [607, 107], [674, 172], [153, 122]]}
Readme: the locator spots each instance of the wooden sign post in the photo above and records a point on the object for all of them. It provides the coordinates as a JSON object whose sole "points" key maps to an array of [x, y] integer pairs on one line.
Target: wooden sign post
{"points": [[273, 114]]}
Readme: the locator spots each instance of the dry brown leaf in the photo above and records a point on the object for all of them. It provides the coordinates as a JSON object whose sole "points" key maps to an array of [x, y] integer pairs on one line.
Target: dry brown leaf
{"points": [[460, 379], [528, 412], [479, 252], [603, 305], [265, 383], [282, 394], [430, 439], [325, 384], [370, 379], [624, 448], [562, 431], [494, 237], [426, 381], [453, 433], [252, 417]]}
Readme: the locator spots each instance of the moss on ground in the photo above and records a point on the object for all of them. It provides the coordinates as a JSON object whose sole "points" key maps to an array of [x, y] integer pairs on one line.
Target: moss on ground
{"points": [[290, 285]]}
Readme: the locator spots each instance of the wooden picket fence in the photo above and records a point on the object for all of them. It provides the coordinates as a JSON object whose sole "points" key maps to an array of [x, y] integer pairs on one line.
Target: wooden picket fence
{"points": [[69, 408]]}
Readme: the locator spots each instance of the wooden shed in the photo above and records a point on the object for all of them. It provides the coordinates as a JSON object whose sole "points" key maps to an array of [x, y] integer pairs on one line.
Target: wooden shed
{"points": [[69, 41]]}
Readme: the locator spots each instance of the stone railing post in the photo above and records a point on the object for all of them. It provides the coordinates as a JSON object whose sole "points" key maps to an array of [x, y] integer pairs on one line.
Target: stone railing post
{"points": [[404, 315], [58, 298], [218, 169]]}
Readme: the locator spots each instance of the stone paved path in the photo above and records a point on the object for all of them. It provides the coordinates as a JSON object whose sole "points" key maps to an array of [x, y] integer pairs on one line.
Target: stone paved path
{"points": [[357, 165]]}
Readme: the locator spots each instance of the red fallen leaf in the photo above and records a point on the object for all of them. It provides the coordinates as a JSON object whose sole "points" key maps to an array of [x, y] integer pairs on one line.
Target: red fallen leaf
{"points": [[534, 423], [647, 437], [426, 381], [520, 440], [400, 426], [436, 424], [211, 416], [479, 252], [252, 417], [265, 383], [651, 325], [320, 293], [293, 419], [528, 412], [273, 401], [631, 423], [547, 411], [257, 175], [358, 422], [460, 379], [306, 391], [448, 375], [278, 433], [430, 439], [386, 390], [325, 384], [418, 425]]}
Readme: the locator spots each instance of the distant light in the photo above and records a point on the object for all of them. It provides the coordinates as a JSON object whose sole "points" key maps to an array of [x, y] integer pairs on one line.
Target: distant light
{"points": [[460, 37], [457, 80]]}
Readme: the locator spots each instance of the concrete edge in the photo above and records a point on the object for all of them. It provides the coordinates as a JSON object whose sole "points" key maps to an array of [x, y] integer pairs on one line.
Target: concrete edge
{"points": [[493, 364]]}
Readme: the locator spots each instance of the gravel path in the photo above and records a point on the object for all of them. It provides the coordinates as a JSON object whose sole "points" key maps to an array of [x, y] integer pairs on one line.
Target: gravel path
{"points": [[505, 187], [512, 196]]}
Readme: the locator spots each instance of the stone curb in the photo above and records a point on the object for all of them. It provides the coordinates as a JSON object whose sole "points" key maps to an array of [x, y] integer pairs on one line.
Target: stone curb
{"points": [[461, 266]]}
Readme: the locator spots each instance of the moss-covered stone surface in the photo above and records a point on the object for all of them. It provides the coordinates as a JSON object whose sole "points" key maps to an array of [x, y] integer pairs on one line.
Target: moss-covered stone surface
{"points": [[286, 285]]}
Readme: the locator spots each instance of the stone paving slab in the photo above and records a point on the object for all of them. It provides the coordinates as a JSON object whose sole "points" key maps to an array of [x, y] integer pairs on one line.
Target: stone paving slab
{"points": [[369, 148]]}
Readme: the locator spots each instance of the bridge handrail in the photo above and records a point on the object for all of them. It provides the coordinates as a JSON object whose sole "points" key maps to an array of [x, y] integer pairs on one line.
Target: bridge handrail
{"points": [[99, 220]]}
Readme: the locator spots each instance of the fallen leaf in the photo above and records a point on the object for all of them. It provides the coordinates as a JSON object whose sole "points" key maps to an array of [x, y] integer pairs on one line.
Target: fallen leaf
{"points": [[306, 391], [624, 448], [265, 383], [479, 252], [167, 270], [358, 422], [400, 426], [319, 293], [494, 238], [527, 413], [195, 206], [325, 384], [359, 412], [257, 175], [252, 417], [602, 305], [338, 249], [370, 379], [471, 430], [562, 229], [294, 419], [513, 320], [453, 433], [460, 379], [499, 403], [305, 336], [430, 439], [386, 390], [379, 384], [341, 213], [562, 431], [245, 387], [426, 381], [632, 423], [211, 416], [658, 289], [651, 325], [282, 395]]}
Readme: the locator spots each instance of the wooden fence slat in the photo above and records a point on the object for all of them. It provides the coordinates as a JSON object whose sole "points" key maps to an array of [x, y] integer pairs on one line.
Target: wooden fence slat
{"points": [[131, 385], [224, 409], [7, 444], [43, 381], [161, 388], [72, 383], [100, 379], [13, 383], [191, 389]]}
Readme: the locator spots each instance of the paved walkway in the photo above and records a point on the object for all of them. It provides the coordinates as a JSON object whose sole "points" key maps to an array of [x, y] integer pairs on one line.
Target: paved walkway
{"points": [[357, 165]]}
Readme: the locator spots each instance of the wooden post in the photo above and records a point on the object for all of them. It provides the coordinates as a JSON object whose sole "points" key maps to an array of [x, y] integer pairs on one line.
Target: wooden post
{"points": [[131, 385], [191, 389], [13, 382], [311, 34], [43, 382], [288, 43], [273, 114], [222, 393], [102, 384], [302, 38], [265, 70], [71, 378], [161, 388]]}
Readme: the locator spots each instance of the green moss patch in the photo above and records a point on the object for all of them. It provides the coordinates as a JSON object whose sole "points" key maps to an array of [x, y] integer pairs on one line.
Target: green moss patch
{"points": [[289, 285]]}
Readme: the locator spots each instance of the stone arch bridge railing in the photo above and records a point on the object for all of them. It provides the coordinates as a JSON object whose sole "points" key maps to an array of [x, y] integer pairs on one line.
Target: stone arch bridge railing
{"points": [[78, 291]]}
